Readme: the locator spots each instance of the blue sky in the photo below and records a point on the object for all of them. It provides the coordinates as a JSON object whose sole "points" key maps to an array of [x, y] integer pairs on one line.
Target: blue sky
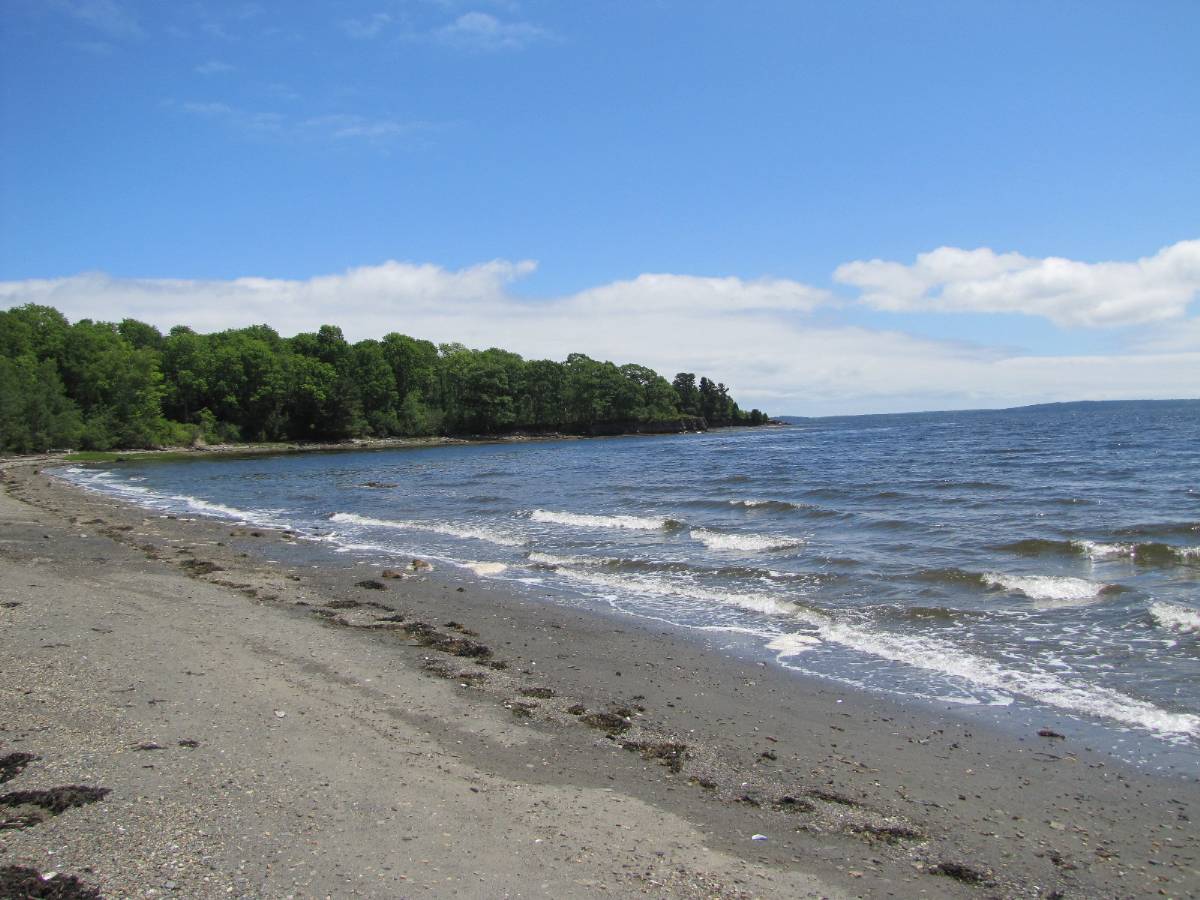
{"points": [[701, 185]]}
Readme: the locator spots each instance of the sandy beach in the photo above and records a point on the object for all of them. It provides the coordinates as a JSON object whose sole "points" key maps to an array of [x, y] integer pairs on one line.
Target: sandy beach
{"points": [[259, 728]]}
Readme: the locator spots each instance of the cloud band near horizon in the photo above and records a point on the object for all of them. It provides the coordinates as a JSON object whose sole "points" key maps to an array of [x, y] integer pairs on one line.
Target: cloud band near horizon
{"points": [[755, 335]]}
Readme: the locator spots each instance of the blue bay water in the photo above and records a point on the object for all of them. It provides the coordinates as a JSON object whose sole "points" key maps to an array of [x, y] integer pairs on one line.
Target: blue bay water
{"points": [[1041, 563]]}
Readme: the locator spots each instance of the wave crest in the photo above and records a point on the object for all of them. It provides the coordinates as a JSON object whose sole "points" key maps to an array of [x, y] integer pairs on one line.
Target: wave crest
{"points": [[752, 543], [779, 505], [1175, 617], [583, 520], [450, 529], [1049, 591]]}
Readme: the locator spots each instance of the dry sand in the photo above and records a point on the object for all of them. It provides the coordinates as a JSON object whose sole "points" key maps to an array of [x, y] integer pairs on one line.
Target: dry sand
{"points": [[271, 730]]}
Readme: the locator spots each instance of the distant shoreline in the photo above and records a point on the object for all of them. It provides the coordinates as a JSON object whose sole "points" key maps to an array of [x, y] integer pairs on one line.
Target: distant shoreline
{"points": [[1057, 405], [351, 444]]}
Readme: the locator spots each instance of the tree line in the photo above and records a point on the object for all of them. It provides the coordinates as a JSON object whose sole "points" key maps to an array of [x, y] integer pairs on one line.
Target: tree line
{"points": [[104, 385]]}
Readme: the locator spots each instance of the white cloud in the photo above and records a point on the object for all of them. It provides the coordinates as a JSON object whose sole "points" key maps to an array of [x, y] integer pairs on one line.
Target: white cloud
{"points": [[1158, 288], [749, 334], [107, 16], [214, 67], [688, 294], [368, 27], [335, 127], [483, 31], [348, 127], [366, 301]]}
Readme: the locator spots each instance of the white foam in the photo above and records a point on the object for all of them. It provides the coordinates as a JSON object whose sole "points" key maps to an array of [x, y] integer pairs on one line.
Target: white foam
{"points": [[578, 520], [753, 602], [105, 482], [1048, 591], [792, 644], [486, 568], [754, 504], [220, 509], [946, 659], [750, 543], [548, 559], [1096, 550], [930, 654], [450, 529], [1175, 617]]}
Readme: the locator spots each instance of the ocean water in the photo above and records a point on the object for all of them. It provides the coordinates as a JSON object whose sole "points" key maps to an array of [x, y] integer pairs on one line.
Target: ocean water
{"points": [[1026, 566]]}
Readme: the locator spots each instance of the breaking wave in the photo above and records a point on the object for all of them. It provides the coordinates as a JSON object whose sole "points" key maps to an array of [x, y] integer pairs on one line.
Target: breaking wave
{"points": [[1049, 591], [486, 568], [1175, 617], [935, 655], [103, 482], [1149, 553], [472, 532], [778, 505], [580, 520], [751, 543]]}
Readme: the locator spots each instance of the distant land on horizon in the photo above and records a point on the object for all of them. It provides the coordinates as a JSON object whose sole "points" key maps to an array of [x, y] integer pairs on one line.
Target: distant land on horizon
{"points": [[1059, 406]]}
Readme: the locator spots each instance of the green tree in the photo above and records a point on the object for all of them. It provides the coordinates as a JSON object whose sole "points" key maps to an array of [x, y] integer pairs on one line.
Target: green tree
{"points": [[689, 396], [377, 388], [341, 411], [35, 413], [140, 335], [542, 401], [33, 330]]}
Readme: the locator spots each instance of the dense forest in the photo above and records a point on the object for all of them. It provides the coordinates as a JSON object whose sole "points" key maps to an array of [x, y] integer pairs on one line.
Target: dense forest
{"points": [[102, 385]]}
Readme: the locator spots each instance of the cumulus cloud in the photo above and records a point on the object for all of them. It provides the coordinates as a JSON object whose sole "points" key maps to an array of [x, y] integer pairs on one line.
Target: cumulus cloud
{"points": [[1154, 289], [754, 335], [366, 301]]}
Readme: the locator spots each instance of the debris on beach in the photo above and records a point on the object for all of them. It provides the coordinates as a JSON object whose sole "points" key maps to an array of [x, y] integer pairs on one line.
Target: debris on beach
{"points": [[370, 584], [832, 797], [791, 804], [960, 871], [13, 765], [355, 604], [670, 753], [24, 882], [24, 809], [522, 709], [891, 834], [428, 636], [606, 721]]}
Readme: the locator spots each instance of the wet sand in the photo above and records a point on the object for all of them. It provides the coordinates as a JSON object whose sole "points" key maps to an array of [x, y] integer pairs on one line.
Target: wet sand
{"points": [[270, 729]]}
